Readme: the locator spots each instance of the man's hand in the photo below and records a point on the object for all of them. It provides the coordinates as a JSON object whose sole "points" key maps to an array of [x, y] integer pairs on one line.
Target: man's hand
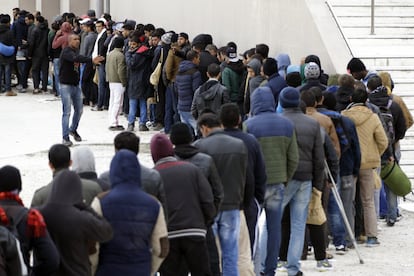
{"points": [[98, 59]]}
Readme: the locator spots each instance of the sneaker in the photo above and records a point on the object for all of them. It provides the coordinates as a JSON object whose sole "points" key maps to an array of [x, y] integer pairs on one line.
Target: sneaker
{"points": [[96, 108], [143, 128], [130, 127], [36, 91], [372, 242], [329, 256], [282, 266], [19, 87], [67, 142], [11, 93], [340, 250], [300, 273], [323, 265], [75, 135], [157, 127], [361, 239], [391, 222], [116, 128]]}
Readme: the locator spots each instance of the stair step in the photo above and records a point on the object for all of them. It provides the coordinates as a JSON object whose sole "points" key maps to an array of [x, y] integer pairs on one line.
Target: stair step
{"points": [[379, 30]]}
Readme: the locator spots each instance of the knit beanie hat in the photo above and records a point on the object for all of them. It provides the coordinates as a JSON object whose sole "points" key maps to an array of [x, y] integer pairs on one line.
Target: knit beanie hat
{"points": [[166, 38], [83, 160], [181, 134], [312, 71], [161, 147], [289, 97], [10, 179]]}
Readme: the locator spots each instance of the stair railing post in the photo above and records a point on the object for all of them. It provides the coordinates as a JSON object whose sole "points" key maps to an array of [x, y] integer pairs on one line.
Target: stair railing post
{"points": [[372, 17]]}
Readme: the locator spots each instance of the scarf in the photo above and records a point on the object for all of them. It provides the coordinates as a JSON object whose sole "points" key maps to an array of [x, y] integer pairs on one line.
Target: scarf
{"points": [[36, 226]]}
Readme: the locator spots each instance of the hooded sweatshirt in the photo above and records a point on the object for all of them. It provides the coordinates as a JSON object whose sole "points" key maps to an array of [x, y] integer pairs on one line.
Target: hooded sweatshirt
{"points": [[7, 38], [211, 95], [371, 135], [62, 40], [72, 225], [276, 137], [255, 81], [283, 61], [127, 208]]}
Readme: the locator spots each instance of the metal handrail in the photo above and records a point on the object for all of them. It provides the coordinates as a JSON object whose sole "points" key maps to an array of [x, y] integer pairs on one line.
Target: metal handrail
{"points": [[339, 26], [372, 17]]}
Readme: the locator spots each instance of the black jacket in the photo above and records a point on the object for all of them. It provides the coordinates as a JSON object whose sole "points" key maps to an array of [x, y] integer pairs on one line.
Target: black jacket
{"points": [[70, 60], [7, 38], [72, 225], [38, 47]]}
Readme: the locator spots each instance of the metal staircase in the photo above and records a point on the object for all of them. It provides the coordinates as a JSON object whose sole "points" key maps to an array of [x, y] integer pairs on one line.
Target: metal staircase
{"points": [[390, 48]]}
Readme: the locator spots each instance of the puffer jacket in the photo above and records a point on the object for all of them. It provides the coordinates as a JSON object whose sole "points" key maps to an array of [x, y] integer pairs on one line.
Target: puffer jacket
{"points": [[276, 136], [371, 135], [211, 95], [311, 153], [187, 81], [127, 208]]}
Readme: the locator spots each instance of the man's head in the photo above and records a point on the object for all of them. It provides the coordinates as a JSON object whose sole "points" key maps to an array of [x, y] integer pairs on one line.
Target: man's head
{"points": [[5, 19], [10, 179], [161, 147], [193, 56], [269, 67], [74, 41], [312, 71], [317, 92], [308, 98], [357, 68], [91, 13], [127, 29], [182, 39], [148, 29], [213, 71], [100, 25], [118, 42], [208, 122], [232, 54], [263, 50], [346, 80], [29, 19], [289, 97], [127, 140], [230, 115], [373, 83], [181, 134], [59, 157], [359, 96], [222, 54]]}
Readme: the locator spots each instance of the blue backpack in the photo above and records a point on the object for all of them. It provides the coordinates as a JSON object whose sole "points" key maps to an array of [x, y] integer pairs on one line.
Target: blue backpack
{"points": [[337, 120]]}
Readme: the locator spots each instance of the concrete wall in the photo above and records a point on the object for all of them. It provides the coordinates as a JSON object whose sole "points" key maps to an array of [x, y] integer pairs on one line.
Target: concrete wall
{"points": [[295, 27]]}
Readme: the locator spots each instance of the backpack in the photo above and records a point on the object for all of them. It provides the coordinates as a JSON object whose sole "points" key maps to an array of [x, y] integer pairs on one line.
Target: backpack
{"points": [[387, 121], [11, 227], [343, 135]]}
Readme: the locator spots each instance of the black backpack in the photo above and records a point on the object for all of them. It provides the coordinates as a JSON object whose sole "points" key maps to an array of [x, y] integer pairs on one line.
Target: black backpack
{"points": [[14, 220]]}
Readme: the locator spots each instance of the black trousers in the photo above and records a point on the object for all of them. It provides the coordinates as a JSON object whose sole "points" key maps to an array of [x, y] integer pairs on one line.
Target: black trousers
{"points": [[160, 108], [186, 252]]}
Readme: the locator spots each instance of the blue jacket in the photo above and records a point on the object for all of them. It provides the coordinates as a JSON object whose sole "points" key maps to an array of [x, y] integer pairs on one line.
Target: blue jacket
{"points": [[132, 214], [276, 83], [350, 160], [276, 136], [187, 81]]}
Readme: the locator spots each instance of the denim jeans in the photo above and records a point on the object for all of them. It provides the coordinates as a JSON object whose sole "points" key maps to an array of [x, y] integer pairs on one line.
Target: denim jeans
{"points": [[56, 66], [392, 203], [297, 195], [21, 68], [189, 120], [171, 113], [335, 221], [70, 94], [347, 191], [227, 227], [273, 209], [6, 69], [102, 89], [133, 104]]}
